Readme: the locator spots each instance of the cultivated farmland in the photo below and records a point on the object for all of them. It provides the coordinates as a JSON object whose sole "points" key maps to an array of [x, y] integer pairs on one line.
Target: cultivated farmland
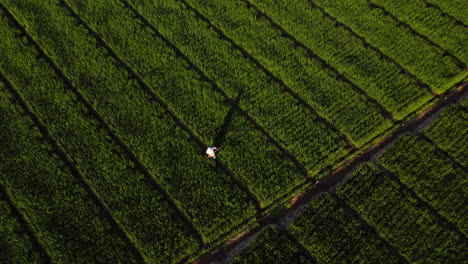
{"points": [[107, 108]]}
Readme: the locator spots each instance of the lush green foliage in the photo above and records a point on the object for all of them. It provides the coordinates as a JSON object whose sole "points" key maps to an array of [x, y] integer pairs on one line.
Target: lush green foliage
{"points": [[450, 132], [381, 79], [430, 22], [66, 223], [334, 99], [274, 247], [142, 211], [413, 52], [455, 8], [432, 177], [15, 245], [332, 235], [401, 218], [261, 97]]}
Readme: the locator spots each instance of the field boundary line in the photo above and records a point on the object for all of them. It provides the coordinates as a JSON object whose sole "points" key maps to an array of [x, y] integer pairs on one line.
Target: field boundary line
{"points": [[299, 245], [443, 153], [156, 98], [25, 225], [443, 13], [440, 218], [245, 54], [333, 179], [382, 55], [413, 31], [369, 228], [285, 34], [73, 168], [81, 98], [213, 84]]}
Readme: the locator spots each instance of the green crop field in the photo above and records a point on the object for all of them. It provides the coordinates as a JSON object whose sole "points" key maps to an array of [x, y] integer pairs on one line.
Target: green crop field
{"points": [[107, 109]]}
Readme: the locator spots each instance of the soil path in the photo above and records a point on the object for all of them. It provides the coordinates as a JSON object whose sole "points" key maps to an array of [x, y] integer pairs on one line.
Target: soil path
{"points": [[284, 216]]}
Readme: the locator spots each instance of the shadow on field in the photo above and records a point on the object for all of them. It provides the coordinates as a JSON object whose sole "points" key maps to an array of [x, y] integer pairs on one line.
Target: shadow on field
{"points": [[219, 139]]}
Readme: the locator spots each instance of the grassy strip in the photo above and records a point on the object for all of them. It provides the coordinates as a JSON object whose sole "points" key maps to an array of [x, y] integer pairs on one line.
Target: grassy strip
{"points": [[450, 132], [454, 8], [332, 235], [312, 79], [246, 151], [377, 75], [400, 218], [430, 22], [271, 246], [15, 245], [142, 211], [432, 177], [397, 40], [65, 221], [261, 97]]}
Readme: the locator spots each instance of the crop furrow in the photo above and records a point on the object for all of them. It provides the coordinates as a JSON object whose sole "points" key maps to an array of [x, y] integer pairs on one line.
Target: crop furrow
{"points": [[272, 76], [156, 98], [26, 227], [432, 5], [441, 219], [373, 5], [323, 62], [366, 44], [444, 153], [213, 84], [300, 246], [80, 98], [68, 162], [369, 228]]}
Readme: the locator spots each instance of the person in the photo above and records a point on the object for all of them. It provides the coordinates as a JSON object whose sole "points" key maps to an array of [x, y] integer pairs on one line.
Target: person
{"points": [[211, 152]]}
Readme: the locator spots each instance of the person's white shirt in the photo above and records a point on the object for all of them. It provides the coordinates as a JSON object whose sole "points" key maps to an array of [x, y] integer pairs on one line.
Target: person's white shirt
{"points": [[211, 152]]}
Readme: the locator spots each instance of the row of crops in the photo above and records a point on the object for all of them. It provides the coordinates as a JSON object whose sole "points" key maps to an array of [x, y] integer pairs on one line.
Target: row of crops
{"points": [[110, 107], [421, 189]]}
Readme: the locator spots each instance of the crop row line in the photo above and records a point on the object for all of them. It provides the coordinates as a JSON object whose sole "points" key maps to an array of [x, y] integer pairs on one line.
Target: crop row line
{"points": [[80, 98], [215, 86], [25, 226], [443, 13], [373, 5], [245, 54], [366, 44], [384, 112], [301, 247], [68, 162], [156, 98], [369, 227], [411, 192], [443, 152]]}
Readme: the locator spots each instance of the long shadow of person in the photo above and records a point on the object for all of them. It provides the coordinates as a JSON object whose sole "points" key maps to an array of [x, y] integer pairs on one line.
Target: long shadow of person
{"points": [[221, 135]]}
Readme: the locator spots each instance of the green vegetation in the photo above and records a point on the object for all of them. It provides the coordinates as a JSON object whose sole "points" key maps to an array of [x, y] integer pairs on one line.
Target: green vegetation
{"points": [[334, 99], [401, 218], [15, 246], [49, 197], [442, 30], [432, 176], [332, 235], [414, 53], [455, 8], [272, 246], [450, 132]]}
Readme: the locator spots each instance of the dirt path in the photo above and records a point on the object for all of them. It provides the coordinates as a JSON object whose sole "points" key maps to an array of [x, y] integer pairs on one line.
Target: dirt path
{"points": [[284, 216]]}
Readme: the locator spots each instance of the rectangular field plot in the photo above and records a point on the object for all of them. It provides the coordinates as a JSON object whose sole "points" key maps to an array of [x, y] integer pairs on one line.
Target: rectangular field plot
{"points": [[49, 198], [274, 247], [331, 96], [401, 218], [415, 53], [428, 21], [375, 74], [450, 132], [332, 235], [433, 177]]}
